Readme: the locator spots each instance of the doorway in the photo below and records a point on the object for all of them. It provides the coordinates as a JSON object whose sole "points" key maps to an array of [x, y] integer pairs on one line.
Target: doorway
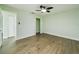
{"points": [[37, 25], [7, 31]]}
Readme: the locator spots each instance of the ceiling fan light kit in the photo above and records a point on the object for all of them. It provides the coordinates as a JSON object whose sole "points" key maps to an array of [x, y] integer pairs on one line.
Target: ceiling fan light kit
{"points": [[43, 10]]}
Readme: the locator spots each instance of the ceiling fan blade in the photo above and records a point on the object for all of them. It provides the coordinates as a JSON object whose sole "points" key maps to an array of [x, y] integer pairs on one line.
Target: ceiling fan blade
{"points": [[47, 11], [50, 8], [38, 10]]}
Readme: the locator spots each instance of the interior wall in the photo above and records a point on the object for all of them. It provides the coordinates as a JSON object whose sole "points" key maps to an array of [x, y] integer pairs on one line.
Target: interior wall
{"points": [[64, 24], [27, 26]]}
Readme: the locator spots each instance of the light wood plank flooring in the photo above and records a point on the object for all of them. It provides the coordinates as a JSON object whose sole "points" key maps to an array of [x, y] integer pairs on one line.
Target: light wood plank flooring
{"points": [[45, 44]]}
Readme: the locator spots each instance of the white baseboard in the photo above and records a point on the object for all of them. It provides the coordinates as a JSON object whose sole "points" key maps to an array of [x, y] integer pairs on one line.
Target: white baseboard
{"points": [[50, 34], [64, 36], [24, 36]]}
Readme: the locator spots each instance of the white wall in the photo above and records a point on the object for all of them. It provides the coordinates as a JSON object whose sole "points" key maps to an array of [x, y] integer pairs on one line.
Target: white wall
{"points": [[27, 26], [28, 23], [64, 24]]}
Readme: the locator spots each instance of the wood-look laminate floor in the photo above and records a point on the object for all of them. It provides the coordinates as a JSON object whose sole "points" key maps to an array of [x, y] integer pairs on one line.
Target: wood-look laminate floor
{"points": [[46, 44]]}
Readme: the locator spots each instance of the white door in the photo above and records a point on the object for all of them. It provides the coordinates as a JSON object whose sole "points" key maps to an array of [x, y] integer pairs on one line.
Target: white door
{"points": [[5, 25], [9, 24], [1, 27], [12, 24]]}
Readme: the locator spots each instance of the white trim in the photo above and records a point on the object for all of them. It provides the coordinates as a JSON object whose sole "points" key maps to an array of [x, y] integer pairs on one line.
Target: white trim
{"points": [[25, 36], [63, 36]]}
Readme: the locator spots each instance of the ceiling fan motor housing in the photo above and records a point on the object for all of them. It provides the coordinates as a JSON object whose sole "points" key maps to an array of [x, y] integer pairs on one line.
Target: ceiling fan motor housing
{"points": [[42, 7]]}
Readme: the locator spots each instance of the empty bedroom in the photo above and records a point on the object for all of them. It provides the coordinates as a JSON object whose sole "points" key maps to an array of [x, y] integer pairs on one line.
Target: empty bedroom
{"points": [[39, 28]]}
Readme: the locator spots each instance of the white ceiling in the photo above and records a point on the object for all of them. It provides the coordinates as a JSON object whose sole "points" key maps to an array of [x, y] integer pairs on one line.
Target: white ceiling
{"points": [[32, 7]]}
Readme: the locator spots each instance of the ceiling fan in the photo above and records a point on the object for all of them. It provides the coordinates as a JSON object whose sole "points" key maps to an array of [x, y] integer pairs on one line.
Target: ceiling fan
{"points": [[45, 9]]}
